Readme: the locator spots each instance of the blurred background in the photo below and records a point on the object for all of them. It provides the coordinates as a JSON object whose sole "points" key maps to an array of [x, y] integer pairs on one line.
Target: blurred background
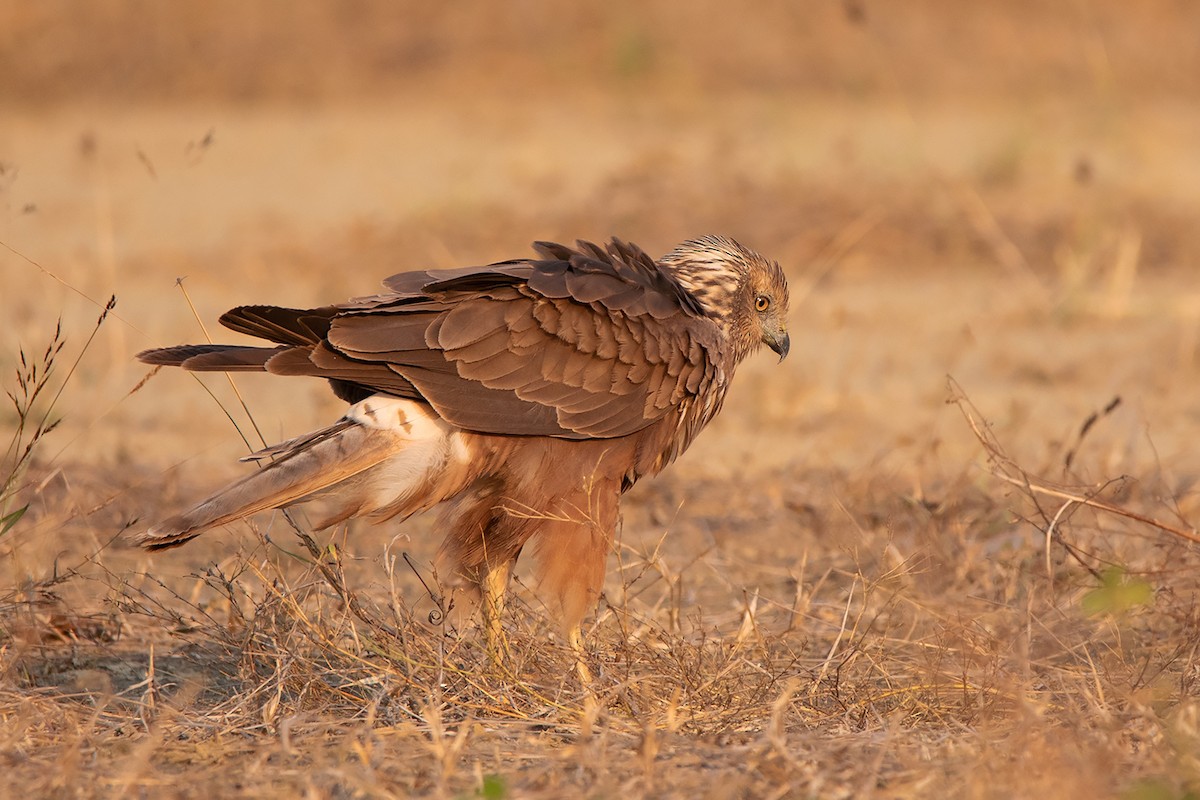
{"points": [[1005, 194], [1002, 192]]}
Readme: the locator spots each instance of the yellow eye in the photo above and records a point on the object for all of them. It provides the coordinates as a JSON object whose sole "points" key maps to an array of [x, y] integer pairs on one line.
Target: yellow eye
{"points": [[762, 303]]}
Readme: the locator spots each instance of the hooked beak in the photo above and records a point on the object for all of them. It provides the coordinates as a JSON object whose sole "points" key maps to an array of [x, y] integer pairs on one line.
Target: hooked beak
{"points": [[779, 342]]}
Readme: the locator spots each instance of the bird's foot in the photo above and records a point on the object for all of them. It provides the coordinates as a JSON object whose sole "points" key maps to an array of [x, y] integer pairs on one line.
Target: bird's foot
{"points": [[575, 640]]}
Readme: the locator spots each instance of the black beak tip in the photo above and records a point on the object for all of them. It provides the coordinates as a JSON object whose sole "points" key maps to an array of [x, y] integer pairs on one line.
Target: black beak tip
{"points": [[780, 344]]}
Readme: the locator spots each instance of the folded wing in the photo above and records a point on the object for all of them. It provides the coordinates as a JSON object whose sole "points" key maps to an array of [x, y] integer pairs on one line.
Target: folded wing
{"points": [[583, 343]]}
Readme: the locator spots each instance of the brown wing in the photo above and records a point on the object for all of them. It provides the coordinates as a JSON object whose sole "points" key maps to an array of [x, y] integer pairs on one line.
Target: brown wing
{"points": [[581, 344], [586, 343]]}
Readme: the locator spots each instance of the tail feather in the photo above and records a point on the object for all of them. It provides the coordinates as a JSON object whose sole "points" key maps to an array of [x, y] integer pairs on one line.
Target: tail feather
{"points": [[211, 357], [288, 448], [315, 462]]}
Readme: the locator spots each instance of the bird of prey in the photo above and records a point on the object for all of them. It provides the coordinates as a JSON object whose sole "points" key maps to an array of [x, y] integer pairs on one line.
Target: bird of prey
{"points": [[525, 397]]}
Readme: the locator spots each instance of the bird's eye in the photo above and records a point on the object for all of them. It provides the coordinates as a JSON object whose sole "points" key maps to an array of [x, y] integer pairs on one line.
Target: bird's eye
{"points": [[762, 303]]}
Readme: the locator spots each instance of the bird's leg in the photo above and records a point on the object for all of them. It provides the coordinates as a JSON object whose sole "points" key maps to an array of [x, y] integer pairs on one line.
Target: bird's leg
{"points": [[575, 640], [493, 588]]}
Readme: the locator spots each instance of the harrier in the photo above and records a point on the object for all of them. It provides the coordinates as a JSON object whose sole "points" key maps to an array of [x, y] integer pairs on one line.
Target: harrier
{"points": [[526, 396]]}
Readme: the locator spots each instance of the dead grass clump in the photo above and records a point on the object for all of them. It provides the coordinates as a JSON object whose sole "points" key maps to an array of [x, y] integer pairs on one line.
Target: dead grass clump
{"points": [[951, 635], [931, 657]]}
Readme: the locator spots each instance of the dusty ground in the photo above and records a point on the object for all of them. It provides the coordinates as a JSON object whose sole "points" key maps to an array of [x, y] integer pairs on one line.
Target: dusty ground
{"points": [[835, 593]]}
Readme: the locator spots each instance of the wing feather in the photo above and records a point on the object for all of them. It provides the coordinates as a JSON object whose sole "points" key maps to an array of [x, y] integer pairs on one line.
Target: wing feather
{"points": [[283, 325], [585, 342], [384, 331], [324, 362], [597, 376], [471, 322]]}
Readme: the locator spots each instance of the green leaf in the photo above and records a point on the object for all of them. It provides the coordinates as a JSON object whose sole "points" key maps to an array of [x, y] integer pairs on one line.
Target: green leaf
{"points": [[10, 519], [1156, 789], [1117, 593], [493, 788]]}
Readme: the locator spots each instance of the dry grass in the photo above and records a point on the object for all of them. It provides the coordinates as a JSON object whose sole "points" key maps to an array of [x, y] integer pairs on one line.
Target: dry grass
{"points": [[862, 581], [966, 640], [908, 643]]}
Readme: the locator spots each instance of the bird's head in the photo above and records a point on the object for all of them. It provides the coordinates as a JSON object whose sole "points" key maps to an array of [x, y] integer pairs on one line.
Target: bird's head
{"points": [[743, 291]]}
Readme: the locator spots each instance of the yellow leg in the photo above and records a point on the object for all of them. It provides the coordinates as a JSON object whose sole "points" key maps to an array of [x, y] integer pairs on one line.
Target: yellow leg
{"points": [[493, 588], [575, 639]]}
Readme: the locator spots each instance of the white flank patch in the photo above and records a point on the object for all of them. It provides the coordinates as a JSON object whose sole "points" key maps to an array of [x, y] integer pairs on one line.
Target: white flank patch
{"points": [[408, 418], [432, 444]]}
